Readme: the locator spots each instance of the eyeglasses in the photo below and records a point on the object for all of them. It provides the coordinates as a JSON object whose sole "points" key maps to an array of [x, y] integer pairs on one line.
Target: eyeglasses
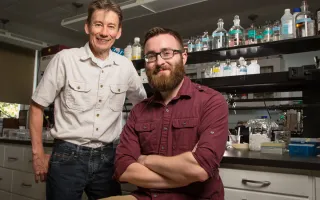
{"points": [[165, 54]]}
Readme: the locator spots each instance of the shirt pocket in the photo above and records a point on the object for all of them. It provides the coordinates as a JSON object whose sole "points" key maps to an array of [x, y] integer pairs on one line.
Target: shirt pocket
{"points": [[78, 97], [184, 134], [117, 96], [147, 137]]}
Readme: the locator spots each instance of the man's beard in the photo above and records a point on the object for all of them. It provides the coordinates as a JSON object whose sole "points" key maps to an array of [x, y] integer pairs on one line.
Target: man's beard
{"points": [[164, 83]]}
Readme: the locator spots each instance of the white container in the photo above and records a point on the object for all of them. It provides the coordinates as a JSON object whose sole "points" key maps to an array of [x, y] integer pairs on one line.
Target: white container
{"points": [[287, 25], [253, 68], [128, 52], [255, 141], [227, 71], [136, 49], [234, 69]]}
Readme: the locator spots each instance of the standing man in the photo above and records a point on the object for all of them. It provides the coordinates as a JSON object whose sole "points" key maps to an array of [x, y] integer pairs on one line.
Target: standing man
{"points": [[173, 142], [88, 86]]}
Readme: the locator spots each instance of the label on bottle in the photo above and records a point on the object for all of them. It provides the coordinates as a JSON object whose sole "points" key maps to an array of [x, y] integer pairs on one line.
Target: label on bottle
{"points": [[243, 71], [136, 53], [216, 69], [267, 32], [217, 34], [259, 37], [233, 32], [199, 47], [303, 20], [226, 68], [252, 34], [276, 28], [287, 28], [205, 39]]}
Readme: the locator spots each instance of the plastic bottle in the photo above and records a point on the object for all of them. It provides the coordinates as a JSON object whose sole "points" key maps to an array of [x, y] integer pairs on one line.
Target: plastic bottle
{"points": [[243, 67], [236, 33], [136, 49], [253, 68], [216, 69], [128, 52], [234, 68], [295, 11], [219, 36], [305, 23], [227, 68], [286, 25]]}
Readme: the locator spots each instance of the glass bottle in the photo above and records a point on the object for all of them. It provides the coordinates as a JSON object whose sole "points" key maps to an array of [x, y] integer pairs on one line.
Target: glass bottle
{"points": [[205, 41], [305, 23], [219, 36], [259, 36], [236, 33], [268, 32], [198, 44], [276, 30]]}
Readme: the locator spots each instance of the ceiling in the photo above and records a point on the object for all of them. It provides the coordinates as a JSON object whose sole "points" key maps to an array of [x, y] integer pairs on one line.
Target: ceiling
{"points": [[41, 19]]}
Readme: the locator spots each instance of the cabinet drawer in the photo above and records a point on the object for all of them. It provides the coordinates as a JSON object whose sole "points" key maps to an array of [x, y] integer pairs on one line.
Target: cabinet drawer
{"points": [[1, 155], [5, 179], [291, 184], [27, 160], [5, 195], [234, 194], [13, 157], [24, 184], [317, 188], [18, 197]]}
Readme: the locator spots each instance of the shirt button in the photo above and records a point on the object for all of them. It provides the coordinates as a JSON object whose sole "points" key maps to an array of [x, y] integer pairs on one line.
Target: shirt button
{"points": [[167, 110], [101, 86], [102, 71], [211, 132], [155, 195], [78, 87], [97, 129], [100, 101], [162, 147], [165, 128], [98, 115]]}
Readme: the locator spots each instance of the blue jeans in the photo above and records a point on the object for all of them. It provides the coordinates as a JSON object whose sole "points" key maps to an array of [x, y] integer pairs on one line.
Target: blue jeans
{"points": [[74, 169]]}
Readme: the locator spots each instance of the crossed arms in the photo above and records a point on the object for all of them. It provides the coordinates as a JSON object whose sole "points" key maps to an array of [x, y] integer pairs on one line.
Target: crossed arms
{"points": [[164, 172]]}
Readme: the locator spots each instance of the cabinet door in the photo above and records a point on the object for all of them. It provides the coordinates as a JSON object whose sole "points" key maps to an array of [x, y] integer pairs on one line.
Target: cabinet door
{"points": [[5, 195], [1, 155], [5, 179], [317, 188], [233, 194]]}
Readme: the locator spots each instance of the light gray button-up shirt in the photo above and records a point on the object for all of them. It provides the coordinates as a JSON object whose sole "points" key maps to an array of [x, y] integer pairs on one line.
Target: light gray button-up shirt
{"points": [[88, 95]]}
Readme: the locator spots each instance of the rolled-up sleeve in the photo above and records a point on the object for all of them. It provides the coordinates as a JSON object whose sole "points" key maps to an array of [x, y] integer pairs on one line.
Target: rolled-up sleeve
{"points": [[51, 83], [128, 150], [213, 134]]}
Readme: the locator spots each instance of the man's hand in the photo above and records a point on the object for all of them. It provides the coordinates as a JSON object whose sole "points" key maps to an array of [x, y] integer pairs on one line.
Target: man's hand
{"points": [[142, 159], [40, 163]]}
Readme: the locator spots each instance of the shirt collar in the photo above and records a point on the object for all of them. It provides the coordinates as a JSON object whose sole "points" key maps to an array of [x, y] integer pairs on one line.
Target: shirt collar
{"points": [[111, 60]]}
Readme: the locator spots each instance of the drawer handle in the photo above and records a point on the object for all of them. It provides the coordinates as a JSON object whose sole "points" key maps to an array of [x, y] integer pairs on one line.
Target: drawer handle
{"points": [[262, 183], [26, 185], [12, 159]]}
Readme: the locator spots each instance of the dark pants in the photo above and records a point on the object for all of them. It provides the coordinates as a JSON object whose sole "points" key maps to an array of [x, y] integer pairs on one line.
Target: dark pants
{"points": [[74, 169]]}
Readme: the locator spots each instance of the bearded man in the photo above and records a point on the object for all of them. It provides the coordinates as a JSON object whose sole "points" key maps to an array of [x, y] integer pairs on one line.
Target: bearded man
{"points": [[173, 142]]}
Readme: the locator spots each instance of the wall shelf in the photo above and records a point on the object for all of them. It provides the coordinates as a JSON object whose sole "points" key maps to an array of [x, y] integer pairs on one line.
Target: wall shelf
{"points": [[297, 45]]}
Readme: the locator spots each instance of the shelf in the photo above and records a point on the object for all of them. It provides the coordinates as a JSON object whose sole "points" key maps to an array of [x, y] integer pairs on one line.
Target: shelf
{"points": [[269, 99], [279, 107], [297, 45], [258, 83]]}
